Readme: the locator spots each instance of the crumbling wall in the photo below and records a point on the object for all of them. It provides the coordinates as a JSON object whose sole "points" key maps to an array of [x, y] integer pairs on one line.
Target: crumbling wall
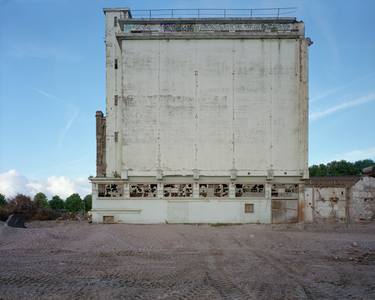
{"points": [[100, 144], [328, 204], [362, 202]]}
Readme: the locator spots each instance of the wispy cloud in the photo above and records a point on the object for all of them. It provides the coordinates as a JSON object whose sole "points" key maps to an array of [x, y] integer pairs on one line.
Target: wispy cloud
{"points": [[71, 110], [73, 114], [327, 93], [41, 51], [358, 154], [342, 106], [48, 95]]}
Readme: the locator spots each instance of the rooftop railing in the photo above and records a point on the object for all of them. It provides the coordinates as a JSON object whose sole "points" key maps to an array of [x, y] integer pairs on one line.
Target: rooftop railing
{"points": [[199, 13]]}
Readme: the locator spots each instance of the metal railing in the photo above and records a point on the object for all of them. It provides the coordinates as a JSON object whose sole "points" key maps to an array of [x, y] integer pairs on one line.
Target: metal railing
{"points": [[199, 13]]}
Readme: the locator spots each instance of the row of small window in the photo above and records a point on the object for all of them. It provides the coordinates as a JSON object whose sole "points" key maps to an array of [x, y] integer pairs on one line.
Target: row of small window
{"points": [[205, 190]]}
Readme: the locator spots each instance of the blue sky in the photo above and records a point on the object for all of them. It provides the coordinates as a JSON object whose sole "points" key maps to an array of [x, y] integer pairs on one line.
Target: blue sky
{"points": [[52, 80]]}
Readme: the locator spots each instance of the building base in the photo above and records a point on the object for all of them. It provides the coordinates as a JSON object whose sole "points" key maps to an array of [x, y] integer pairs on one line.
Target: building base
{"points": [[158, 211]]}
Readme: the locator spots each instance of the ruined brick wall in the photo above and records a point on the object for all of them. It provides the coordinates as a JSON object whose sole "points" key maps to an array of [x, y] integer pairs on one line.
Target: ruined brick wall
{"points": [[100, 144], [362, 202]]}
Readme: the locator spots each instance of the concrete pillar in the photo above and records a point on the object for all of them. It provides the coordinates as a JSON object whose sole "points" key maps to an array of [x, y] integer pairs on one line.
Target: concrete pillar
{"points": [[160, 192], [196, 190], [232, 190], [126, 190], [301, 202], [94, 194]]}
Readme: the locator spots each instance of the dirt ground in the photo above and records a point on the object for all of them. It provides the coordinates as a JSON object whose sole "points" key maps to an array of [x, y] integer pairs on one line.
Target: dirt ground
{"points": [[77, 260]]}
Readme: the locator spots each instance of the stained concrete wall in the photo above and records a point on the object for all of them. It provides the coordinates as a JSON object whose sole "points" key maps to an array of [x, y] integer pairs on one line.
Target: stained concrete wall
{"points": [[213, 105], [325, 204]]}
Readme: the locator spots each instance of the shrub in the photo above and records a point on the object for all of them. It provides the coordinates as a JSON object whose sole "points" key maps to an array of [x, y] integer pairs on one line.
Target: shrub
{"points": [[21, 204], [45, 214], [4, 213], [3, 202]]}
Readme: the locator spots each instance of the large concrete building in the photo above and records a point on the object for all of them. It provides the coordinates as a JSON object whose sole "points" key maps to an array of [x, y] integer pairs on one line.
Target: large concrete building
{"points": [[206, 120]]}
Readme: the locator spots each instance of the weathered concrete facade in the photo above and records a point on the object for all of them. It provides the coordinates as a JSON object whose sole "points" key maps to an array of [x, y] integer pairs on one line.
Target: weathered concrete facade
{"points": [[206, 121]]}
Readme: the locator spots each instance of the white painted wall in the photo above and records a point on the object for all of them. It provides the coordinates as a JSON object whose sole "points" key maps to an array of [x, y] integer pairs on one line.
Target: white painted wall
{"points": [[155, 211]]}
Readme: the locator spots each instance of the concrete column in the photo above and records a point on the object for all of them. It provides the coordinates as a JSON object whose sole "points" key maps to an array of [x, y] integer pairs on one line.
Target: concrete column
{"points": [[268, 196], [196, 190], [94, 194], [160, 190], [232, 190], [268, 190], [126, 190], [301, 202]]}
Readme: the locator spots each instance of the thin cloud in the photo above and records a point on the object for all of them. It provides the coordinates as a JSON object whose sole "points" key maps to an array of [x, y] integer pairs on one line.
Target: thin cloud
{"points": [[342, 106], [359, 154], [48, 95], [72, 117], [352, 155], [339, 88], [41, 51], [72, 111]]}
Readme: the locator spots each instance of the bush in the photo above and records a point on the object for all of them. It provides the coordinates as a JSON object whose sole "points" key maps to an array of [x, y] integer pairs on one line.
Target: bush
{"points": [[74, 203], [21, 204], [45, 214], [4, 214], [3, 202]]}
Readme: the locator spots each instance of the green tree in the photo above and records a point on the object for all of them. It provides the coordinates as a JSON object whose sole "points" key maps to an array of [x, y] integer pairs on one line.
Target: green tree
{"points": [[56, 203], [361, 164], [318, 170], [87, 202], [74, 203], [340, 168], [3, 201], [41, 200]]}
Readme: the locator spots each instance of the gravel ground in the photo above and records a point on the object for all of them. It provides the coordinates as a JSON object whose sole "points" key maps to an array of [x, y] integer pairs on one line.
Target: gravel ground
{"points": [[76, 260]]}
